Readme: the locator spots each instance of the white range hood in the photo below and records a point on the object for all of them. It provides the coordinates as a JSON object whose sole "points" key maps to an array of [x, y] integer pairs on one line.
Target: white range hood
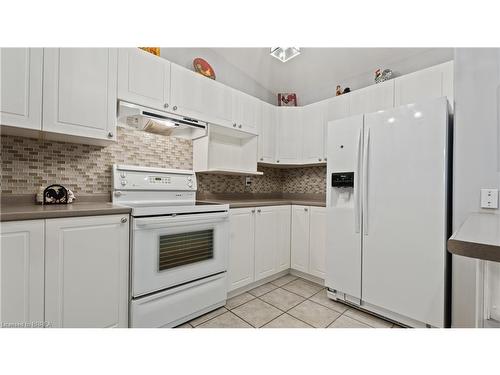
{"points": [[159, 122]]}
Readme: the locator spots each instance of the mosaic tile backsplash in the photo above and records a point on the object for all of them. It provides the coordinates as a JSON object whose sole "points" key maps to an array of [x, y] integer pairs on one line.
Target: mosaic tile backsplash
{"points": [[27, 164]]}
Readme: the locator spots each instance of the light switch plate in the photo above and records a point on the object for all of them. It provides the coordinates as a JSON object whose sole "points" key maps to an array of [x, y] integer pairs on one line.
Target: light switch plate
{"points": [[489, 198]]}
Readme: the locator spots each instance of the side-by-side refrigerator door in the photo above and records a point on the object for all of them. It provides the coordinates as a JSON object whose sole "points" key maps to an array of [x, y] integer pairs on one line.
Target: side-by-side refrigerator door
{"points": [[405, 210], [343, 259]]}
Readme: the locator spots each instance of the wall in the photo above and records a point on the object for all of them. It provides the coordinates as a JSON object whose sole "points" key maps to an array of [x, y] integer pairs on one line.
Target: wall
{"points": [[29, 163], [476, 160], [224, 71]]}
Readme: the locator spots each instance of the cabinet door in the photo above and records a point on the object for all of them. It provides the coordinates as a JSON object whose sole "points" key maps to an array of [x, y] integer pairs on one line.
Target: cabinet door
{"points": [[267, 133], [313, 131], [86, 268], [196, 96], [79, 92], [246, 111], [300, 239], [372, 98], [429, 83], [21, 87], [283, 220], [143, 78], [336, 108], [240, 269], [317, 242], [21, 273], [266, 242], [289, 135]]}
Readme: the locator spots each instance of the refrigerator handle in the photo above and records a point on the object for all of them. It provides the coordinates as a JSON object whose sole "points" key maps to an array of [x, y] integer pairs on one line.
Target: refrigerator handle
{"points": [[365, 183], [357, 180]]}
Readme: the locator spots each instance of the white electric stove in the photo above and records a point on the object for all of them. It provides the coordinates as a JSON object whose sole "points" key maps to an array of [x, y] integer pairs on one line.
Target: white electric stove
{"points": [[178, 246]]}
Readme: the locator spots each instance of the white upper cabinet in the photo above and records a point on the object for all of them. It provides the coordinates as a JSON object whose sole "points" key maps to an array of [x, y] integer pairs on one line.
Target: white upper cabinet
{"points": [[267, 133], [199, 97], [21, 87], [313, 132], [289, 135], [337, 107], [143, 78], [246, 111], [79, 92], [86, 271], [22, 273], [372, 98], [433, 82]]}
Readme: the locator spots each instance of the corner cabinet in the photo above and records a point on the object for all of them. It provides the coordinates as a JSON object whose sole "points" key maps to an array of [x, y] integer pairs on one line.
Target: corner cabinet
{"points": [[267, 133], [289, 135], [21, 87], [143, 79], [22, 273], [259, 245], [79, 93], [86, 271]]}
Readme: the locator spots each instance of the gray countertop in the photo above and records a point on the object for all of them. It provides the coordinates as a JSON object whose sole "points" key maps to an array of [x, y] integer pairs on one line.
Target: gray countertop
{"points": [[20, 208], [478, 237], [242, 201]]}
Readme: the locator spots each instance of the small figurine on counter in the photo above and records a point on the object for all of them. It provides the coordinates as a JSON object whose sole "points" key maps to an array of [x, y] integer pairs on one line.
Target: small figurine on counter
{"points": [[377, 75], [383, 76], [346, 90], [338, 91]]}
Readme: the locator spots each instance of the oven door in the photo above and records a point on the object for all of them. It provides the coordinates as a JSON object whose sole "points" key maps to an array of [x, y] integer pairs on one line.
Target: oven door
{"points": [[172, 250]]}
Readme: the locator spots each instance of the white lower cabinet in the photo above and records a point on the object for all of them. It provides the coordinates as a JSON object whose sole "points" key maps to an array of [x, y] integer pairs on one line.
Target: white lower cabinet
{"points": [[308, 247], [240, 269], [86, 271], [260, 244], [22, 273]]}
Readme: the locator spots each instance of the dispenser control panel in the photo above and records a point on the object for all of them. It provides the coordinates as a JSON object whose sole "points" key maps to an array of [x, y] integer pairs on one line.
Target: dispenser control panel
{"points": [[343, 180]]}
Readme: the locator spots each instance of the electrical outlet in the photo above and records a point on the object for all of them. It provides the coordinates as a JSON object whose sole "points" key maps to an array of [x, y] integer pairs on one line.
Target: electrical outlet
{"points": [[489, 198], [248, 181]]}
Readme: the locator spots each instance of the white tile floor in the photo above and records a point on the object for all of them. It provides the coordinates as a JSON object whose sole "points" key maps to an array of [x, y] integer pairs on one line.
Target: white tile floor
{"points": [[288, 302]]}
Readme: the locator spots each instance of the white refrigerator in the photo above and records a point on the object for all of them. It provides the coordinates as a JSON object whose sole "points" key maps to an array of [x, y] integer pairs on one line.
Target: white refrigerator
{"points": [[387, 199]]}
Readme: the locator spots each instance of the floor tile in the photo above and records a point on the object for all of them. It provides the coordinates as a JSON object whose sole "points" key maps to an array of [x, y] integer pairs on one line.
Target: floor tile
{"points": [[226, 320], [185, 325], [346, 322], [368, 319], [303, 288], [314, 314], [284, 280], [282, 299], [323, 299], [240, 299], [257, 312], [286, 321], [263, 289], [208, 316]]}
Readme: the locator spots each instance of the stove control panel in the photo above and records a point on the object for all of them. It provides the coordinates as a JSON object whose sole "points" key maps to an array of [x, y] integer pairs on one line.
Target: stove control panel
{"points": [[142, 178]]}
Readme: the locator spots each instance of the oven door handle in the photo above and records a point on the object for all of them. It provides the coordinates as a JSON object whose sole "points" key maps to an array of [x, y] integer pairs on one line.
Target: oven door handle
{"points": [[204, 218]]}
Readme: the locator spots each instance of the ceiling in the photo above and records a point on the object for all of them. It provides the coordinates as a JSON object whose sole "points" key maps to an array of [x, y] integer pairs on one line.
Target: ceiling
{"points": [[314, 67]]}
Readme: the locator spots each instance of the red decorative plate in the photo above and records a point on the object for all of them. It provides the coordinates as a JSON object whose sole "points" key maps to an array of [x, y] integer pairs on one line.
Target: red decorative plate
{"points": [[204, 68]]}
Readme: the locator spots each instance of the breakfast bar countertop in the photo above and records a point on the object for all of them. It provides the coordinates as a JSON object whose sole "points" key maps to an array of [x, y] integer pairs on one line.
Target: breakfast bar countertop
{"points": [[478, 237]]}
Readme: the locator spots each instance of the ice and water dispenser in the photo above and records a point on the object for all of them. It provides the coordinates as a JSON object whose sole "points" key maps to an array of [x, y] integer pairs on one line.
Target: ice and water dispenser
{"points": [[342, 185]]}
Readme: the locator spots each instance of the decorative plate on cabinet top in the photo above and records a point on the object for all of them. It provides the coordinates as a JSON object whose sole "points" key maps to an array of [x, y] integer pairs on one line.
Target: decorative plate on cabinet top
{"points": [[204, 68]]}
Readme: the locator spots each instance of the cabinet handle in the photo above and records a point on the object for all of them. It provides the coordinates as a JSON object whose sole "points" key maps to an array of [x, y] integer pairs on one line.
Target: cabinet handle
{"points": [[319, 159], [253, 211], [277, 161], [124, 220], [306, 209], [110, 135], [175, 108], [239, 126], [259, 211], [261, 158], [165, 105], [324, 159], [234, 125]]}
